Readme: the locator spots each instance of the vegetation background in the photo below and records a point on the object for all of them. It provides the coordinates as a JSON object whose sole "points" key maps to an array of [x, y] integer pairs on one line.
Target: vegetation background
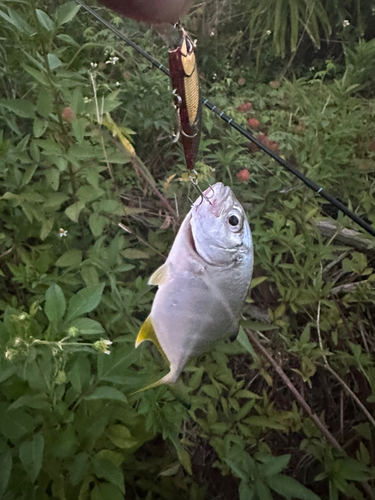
{"points": [[85, 145]]}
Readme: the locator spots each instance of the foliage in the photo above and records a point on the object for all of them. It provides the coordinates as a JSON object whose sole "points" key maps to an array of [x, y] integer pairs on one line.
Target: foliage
{"points": [[78, 111]]}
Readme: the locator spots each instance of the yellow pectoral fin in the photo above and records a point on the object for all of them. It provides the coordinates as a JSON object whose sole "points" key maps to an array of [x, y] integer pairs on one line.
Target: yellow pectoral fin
{"points": [[160, 275], [147, 332]]}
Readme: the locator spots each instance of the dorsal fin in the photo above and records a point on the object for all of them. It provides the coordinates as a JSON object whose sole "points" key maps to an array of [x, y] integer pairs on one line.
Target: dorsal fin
{"points": [[147, 332], [160, 275]]}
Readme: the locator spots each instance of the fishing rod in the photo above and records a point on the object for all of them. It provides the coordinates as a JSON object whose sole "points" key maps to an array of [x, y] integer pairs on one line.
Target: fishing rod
{"points": [[230, 121]]}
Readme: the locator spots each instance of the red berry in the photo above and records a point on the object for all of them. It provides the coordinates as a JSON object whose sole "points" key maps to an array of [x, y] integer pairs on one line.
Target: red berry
{"points": [[245, 107], [243, 175], [68, 114], [253, 123], [263, 138], [272, 145], [241, 81]]}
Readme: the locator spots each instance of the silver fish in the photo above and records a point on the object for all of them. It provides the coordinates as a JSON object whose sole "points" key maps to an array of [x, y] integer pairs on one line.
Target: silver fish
{"points": [[203, 283]]}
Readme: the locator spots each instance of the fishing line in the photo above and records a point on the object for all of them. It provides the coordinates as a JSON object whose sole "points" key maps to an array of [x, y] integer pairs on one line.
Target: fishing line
{"points": [[230, 121]]}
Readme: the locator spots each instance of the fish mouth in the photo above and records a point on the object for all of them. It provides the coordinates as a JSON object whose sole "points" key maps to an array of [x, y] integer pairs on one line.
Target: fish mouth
{"points": [[216, 197]]}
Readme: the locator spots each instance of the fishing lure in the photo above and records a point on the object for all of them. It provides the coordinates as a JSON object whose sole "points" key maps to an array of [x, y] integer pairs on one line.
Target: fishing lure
{"points": [[185, 82]]}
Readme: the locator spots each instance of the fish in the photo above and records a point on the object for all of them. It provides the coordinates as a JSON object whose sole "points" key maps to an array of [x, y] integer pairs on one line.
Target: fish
{"points": [[150, 11], [185, 82], [203, 284]]}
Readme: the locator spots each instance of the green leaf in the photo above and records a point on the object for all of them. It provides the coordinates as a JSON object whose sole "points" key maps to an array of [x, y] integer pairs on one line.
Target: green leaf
{"points": [[262, 490], [65, 443], [71, 258], [89, 275], [87, 326], [38, 401], [79, 375], [53, 178], [66, 12], [15, 423], [106, 392], [352, 470], [79, 128], [236, 469], [39, 127], [290, 488], [46, 228], [53, 61], [82, 152], [20, 107], [67, 39], [44, 104], [211, 391], [6, 464], [45, 20], [257, 281], [74, 210], [79, 468], [113, 368], [246, 491], [275, 465], [18, 22], [121, 436], [31, 456], [97, 224], [185, 460], [196, 378], [85, 301], [245, 342], [106, 469], [77, 102], [29, 172], [55, 305], [106, 491], [133, 253], [38, 75]]}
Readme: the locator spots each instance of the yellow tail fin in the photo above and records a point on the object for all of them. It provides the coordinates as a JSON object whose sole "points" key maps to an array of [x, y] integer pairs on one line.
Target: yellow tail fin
{"points": [[169, 378]]}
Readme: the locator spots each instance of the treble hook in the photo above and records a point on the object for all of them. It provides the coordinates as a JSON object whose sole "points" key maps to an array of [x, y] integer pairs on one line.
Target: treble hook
{"points": [[193, 177]]}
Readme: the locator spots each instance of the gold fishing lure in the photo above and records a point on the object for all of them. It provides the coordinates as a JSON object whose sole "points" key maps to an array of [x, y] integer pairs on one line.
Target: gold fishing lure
{"points": [[185, 81]]}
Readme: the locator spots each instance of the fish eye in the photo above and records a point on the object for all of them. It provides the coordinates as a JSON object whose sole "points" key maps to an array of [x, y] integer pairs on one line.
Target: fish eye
{"points": [[233, 220]]}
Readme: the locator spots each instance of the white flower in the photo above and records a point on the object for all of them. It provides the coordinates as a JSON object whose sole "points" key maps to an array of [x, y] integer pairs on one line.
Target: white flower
{"points": [[112, 60], [345, 23], [94, 65], [63, 232], [268, 32], [101, 346], [117, 84]]}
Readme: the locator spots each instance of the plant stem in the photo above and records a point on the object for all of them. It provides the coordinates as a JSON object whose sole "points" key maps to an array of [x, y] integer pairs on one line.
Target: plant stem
{"points": [[257, 345]]}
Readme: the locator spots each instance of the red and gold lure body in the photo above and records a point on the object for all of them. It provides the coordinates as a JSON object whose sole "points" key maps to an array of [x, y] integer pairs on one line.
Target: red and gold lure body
{"points": [[185, 82]]}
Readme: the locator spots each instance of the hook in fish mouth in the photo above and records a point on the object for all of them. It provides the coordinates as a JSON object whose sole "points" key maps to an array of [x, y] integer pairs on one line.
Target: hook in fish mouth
{"points": [[193, 176]]}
